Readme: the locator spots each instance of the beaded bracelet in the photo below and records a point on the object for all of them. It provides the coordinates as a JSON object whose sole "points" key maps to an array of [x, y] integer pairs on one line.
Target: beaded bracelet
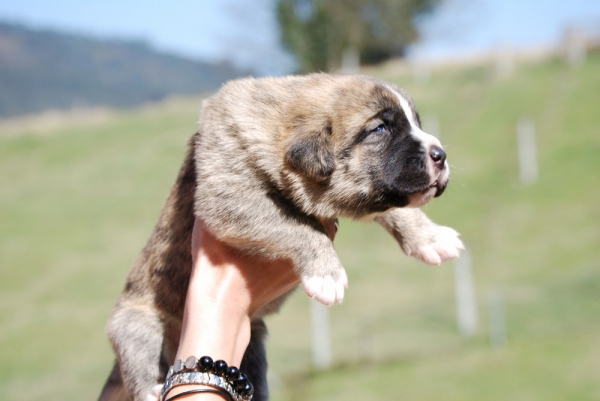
{"points": [[205, 371]]}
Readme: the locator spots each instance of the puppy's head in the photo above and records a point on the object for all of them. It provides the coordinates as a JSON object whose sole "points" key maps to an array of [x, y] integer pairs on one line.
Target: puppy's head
{"points": [[358, 144]]}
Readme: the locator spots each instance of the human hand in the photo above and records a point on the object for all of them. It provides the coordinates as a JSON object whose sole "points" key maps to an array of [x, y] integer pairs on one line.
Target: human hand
{"points": [[226, 289]]}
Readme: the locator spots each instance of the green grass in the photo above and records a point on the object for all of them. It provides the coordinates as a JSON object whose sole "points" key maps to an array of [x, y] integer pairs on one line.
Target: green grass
{"points": [[77, 203]]}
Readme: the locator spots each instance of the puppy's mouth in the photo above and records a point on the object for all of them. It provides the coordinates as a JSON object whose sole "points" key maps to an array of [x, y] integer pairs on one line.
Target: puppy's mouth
{"points": [[432, 191], [439, 188], [420, 198]]}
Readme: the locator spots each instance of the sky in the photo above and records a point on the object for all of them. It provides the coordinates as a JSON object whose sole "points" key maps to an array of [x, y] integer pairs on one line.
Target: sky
{"points": [[245, 32], [476, 26]]}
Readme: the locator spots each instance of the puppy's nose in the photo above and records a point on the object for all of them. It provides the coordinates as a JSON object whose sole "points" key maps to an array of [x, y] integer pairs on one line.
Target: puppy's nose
{"points": [[438, 155]]}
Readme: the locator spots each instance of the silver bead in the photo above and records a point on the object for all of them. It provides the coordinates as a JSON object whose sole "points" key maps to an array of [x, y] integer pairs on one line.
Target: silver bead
{"points": [[190, 363], [178, 366]]}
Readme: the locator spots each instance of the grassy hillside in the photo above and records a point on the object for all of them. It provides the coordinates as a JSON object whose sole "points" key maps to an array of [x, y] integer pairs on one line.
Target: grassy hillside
{"points": [[77, 203], [538, 244], [49, 70]]}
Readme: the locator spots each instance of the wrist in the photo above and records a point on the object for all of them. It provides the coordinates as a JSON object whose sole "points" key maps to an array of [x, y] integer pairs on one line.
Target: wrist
{"points": [[217, 306], [222, 379], [204, 397]]}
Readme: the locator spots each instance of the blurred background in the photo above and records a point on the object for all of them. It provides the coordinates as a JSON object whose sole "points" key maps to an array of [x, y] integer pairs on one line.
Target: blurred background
{"points": [[97, 100]]}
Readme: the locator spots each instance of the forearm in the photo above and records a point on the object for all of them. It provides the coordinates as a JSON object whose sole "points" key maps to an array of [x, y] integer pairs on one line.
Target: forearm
{"points": [[215, 321], [226, 289]]}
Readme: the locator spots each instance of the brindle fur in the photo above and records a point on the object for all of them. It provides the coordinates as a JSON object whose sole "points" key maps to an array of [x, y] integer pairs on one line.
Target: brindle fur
{"points": [[271, 158]]}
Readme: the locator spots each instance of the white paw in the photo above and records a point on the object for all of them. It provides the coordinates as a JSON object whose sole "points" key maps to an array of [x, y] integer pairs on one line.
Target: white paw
{"points": [[443, 244], [326, 290]]}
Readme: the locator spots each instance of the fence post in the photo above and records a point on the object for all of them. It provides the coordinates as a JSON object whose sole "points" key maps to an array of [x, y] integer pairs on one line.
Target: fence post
{"points": [[505, 63], [497, 311], [466, 307], [321, 338], [528, 165], [575, 45], [431, 125], [350, 61]]}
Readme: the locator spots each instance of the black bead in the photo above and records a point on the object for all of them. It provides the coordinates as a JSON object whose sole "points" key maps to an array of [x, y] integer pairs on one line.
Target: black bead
{"points": [[232, 373], [220, 367], [248, 390], [241, 382], [205, 364]]}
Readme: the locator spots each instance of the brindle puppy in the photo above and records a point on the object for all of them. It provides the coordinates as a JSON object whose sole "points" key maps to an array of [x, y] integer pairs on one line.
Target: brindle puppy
{"points": [[271, 158]]}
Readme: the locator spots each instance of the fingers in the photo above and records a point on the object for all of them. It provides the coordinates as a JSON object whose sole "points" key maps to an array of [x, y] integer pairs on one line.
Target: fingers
{"points": [[331, 226], [154, 393]]}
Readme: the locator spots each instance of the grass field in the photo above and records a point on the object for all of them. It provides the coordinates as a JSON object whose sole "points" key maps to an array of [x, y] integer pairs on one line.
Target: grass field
{"points": [[78, 201]]}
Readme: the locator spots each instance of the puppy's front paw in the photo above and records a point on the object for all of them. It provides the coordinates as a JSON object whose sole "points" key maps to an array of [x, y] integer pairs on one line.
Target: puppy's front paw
{"points": [[328, 289], [440, 244]]}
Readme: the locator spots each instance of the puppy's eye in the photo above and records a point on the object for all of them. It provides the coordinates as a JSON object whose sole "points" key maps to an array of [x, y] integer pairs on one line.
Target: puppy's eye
{"points": [[375, 135], [380, 132], [381, 129]]}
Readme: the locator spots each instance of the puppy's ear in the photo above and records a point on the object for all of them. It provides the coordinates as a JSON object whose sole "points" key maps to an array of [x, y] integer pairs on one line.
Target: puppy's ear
{"points": [[312, 155]]}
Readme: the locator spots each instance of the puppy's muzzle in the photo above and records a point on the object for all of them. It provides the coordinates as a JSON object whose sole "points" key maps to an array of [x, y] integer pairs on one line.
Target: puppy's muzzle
{"points": [[438, 157]]}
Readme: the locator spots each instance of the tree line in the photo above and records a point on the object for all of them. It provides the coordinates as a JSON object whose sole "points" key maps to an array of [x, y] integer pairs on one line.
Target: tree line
{"points": [[318, 32]]}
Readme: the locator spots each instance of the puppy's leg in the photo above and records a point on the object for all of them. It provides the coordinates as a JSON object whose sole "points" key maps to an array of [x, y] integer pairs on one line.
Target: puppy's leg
{"points": [[238, 212], [420, 237], [305, 241], [136, 333], [254, 363], [113, 389]]}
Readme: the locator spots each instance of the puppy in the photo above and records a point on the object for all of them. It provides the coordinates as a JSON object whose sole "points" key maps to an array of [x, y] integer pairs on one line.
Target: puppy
{"points": [[272, 157]]}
